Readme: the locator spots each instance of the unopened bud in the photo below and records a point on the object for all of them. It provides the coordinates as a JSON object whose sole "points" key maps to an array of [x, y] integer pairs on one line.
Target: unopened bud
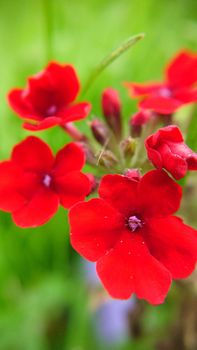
{"points": [[93, 182], [128, 147], [138, 120], [89, 154], [100, 131], [133, 174], [108, 159], [111, 106]]}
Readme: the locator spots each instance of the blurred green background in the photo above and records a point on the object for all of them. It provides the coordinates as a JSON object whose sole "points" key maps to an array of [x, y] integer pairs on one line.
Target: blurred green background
{"points": [[44, 300]]}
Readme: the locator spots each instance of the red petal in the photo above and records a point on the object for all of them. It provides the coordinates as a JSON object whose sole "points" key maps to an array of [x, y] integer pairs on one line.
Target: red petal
{"points": [[174, 244], [42, 206], [142, 89], [75, 112], [65, 79], [95, 227], [69, 158], [33, 154], [129, 267], [120, 192], [153, 155], [161, 104], [169, 133], [21, 106], [192, 161], [186, 95], [182, 70], [10, 198], [172, 162], [43, 124], [159, 195], [72, 188]]}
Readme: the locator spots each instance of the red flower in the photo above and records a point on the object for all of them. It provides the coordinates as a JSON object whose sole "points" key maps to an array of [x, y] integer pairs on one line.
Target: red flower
{"points": [[131, 233], [34, 182], [166, 149], [49, 97], [176, 90]]}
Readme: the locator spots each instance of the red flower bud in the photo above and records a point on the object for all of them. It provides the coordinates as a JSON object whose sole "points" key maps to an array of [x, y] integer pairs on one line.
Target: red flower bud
{"points": [[93, 182], [100, 131], [138, 120], [89, 153], [133, 174], [166, 149], [111, 106]]}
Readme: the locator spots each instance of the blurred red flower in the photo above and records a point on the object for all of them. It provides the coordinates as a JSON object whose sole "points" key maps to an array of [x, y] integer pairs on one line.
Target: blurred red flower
{"points": [[131, 233], [177, 89], [34, 182], [49, 98], [166, 149]]}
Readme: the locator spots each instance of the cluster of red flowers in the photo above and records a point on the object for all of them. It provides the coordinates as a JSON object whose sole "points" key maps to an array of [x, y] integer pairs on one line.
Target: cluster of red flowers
{"points": [[129, 231]]}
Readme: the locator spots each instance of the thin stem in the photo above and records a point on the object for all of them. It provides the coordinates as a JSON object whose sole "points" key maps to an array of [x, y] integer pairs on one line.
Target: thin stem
{"points": [[110, 58], [74, 133], [140, 153]]}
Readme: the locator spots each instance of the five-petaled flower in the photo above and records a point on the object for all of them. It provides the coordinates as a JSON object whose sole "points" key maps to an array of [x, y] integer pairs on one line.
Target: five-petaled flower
{"points": [[166, 149], [177, 89], [49, 98], [34, 182], [139, 246]]}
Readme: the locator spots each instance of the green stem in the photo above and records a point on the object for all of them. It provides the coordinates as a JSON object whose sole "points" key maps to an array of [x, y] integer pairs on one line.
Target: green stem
{"points": [[110, 58]]}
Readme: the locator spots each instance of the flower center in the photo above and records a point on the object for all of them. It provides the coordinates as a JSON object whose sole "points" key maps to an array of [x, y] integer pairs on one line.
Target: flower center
{"points": [[47, 180], [165, 92], [52, 110], [134, 223]]}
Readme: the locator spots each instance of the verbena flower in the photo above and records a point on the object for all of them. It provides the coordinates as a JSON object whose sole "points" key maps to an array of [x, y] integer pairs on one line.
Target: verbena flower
{"points": [[33, 182], [49, 98], [130, 232], [166, 149], [177, 89]]}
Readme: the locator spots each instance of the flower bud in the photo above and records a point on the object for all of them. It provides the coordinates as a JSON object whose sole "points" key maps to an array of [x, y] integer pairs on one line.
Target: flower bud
{"points": [[93, 182], [111, 106], [89, 154], [138, 120], [128, 147], [133, 174], [100, 131], [166, 149], [108, 159]]}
